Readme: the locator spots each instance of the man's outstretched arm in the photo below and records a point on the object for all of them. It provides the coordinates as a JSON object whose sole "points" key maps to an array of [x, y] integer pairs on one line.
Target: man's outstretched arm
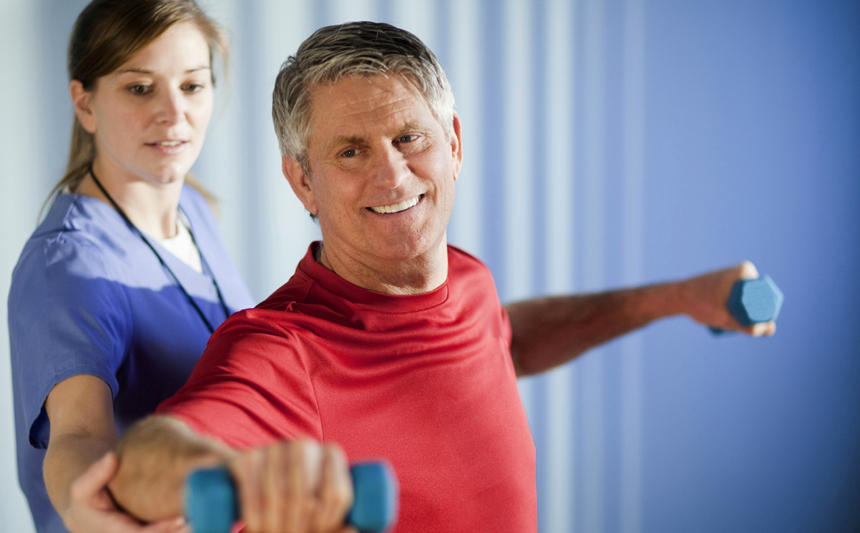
{"points": [[551, 331], [285, 486]]}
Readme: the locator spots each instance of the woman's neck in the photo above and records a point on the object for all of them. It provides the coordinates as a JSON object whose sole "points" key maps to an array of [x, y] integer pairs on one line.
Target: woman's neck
{"points": [[152, 208]]}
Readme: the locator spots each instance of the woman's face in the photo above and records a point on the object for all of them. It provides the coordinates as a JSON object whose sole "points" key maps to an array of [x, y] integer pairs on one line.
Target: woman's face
{"points": [[149, 117]]}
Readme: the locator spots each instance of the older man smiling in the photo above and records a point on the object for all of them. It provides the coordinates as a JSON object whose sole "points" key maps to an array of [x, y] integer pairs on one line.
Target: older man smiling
{"points": [[387, 341]]}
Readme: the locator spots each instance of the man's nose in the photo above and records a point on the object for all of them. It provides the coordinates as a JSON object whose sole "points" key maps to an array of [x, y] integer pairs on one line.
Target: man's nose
{"points": [[392, 168]]}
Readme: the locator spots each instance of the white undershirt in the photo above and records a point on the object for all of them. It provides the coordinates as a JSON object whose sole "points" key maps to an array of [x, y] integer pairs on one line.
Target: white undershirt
{"points": [[182, 245]]}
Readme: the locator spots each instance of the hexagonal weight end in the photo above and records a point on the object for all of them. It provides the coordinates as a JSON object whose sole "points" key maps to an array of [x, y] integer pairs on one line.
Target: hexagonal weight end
{"points": [[211, 505], [755, 300]]}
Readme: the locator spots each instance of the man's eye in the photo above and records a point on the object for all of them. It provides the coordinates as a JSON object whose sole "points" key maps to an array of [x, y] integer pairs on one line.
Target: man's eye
{"points": [[406, 138], [352, 152]]}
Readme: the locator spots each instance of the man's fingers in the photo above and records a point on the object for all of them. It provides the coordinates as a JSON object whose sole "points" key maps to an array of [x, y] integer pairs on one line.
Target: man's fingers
{"points": [[748, 270], [170, 525], [335, 490], [95, 478], [248, 470], [303, 472], [293, 486], [762, 329]]}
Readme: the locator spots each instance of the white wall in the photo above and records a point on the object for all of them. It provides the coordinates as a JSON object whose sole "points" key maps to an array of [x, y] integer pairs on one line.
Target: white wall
{"points": [[19, 204]]}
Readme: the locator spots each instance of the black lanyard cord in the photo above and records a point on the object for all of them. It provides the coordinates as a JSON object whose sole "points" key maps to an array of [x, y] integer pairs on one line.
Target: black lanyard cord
{"points": [[163, 264], [208, 269]]}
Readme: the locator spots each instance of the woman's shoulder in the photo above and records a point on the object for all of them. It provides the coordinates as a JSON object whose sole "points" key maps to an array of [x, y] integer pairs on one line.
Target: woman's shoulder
{"points": [[78, 234]]}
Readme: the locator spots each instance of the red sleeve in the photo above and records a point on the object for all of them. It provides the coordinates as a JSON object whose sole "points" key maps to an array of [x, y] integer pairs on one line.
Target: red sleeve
{"points": [[250, 387]]}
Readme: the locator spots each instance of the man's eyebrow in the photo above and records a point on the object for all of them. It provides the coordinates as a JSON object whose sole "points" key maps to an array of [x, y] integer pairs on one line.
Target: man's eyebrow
{"points": [[147, 71], [342, 140], [347, 139], [412, 125]]}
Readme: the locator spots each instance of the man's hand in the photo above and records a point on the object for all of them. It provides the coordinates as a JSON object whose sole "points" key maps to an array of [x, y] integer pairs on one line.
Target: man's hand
{"points": [[296, 486], [92, 510], [705, 298]]}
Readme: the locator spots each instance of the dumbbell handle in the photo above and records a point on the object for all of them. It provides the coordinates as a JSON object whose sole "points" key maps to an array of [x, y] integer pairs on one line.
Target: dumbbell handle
{"points": [[753, 301], [212, 506]]}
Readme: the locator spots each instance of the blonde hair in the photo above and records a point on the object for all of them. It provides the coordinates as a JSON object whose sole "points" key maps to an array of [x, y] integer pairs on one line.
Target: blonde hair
{"points": [[108, 33]]}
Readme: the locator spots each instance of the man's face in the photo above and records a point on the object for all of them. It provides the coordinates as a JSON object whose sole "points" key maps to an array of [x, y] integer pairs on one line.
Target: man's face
{"points": [[382, 170]]}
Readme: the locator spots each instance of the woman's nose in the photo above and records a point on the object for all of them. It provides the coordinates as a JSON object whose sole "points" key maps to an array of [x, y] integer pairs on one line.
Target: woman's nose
{"points": [[171, 107]]}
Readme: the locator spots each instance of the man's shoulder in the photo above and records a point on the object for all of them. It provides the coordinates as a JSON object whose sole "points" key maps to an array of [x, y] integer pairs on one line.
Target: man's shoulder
{"points": [[296, 290], [463, 264], [273, 313], [457, 253]]}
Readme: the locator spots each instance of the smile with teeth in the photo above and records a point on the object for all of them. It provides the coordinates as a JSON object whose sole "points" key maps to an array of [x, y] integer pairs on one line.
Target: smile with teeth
{"points": [[168, 143], [396, 208]]}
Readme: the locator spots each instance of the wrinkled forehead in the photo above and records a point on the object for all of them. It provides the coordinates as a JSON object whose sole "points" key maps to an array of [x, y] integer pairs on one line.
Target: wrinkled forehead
{"points": [[362, 94], [346, 88]]}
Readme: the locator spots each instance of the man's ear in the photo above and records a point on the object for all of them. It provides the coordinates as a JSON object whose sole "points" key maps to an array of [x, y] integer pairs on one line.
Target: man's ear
{"points": [[83, 109], [300, 183], [457, 146]]}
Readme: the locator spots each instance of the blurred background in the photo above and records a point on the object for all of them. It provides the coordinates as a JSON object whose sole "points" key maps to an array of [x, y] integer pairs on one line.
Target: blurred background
{"points": [[607, 143]]}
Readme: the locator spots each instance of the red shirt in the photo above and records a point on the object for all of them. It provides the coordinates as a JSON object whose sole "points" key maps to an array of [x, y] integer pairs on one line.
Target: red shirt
{"points": [[425, 381]]}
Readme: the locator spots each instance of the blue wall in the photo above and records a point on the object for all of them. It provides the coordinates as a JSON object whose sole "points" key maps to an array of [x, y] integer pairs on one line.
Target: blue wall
{"points": [[753, 151], [607, 143]]}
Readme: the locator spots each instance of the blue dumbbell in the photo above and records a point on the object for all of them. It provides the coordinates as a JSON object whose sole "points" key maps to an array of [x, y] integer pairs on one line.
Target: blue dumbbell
{"points": [[753, 301], [212, 506]]}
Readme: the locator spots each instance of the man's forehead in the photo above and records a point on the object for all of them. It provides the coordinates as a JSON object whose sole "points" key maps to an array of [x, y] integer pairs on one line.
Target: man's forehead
{"points": [[367, 101], [358, 90]]}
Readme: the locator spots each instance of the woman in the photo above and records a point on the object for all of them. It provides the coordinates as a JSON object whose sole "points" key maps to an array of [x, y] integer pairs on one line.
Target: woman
{"points": [[118, 289]]}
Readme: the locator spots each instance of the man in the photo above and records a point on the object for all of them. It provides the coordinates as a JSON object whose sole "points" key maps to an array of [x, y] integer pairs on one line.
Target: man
{"points": [[386, 342]]}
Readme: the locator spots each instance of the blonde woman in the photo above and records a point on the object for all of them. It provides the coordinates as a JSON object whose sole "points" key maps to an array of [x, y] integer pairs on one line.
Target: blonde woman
{"points": [[118, 289]]}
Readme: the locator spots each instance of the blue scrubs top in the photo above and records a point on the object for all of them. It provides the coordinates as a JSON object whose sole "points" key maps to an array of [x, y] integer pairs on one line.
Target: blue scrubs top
{"points": [[89, 297]]}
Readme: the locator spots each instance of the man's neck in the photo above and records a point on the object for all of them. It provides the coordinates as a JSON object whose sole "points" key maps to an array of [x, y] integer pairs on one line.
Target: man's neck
{"points": [[417, 275]]}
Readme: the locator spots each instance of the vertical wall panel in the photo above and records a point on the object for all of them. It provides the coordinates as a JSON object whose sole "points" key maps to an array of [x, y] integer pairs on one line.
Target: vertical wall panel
{"points": [[418, 17], [632, 262], [251, 128], [517, 175], [288, 226], [22, 196], [220, 165], [467, 221], [559, 495], [592, 415], [350, 10], [492, 70]]}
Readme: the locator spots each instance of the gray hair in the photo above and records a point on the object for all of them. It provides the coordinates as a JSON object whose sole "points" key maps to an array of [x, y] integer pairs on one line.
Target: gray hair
{"points": [[363, 49]]}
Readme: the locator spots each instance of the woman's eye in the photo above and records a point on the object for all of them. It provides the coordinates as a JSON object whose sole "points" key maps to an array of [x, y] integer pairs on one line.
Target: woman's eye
{"points": [[192, 87], [138, 89]]}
